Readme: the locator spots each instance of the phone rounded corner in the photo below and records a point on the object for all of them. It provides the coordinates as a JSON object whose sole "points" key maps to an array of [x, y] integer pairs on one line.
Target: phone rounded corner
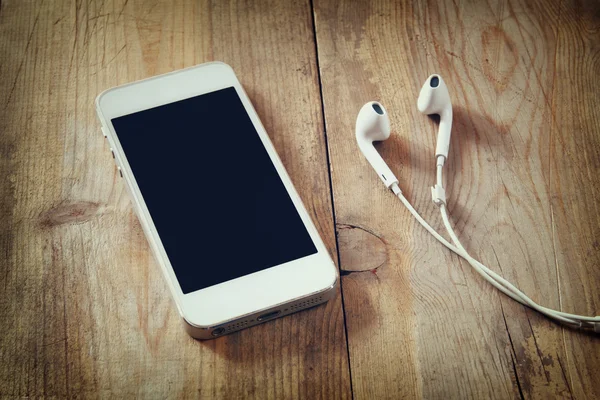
{"points": [[196, 331], [334, 280], [333, 273], [221, 64], [223, 69], [329, 280], [100, 99]]}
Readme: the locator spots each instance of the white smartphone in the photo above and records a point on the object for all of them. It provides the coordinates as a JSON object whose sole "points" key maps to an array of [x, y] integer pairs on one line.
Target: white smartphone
{"points": [[224, 221]]}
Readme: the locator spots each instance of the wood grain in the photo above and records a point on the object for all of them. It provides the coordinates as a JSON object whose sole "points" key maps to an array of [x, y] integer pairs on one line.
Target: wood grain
{"points": [[574, 160], [522, 194], [85, 309]]}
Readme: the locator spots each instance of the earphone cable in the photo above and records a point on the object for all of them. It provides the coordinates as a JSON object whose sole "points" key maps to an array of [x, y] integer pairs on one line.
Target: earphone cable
{"points": [[442, 240], [494, 279], [526, 300]]}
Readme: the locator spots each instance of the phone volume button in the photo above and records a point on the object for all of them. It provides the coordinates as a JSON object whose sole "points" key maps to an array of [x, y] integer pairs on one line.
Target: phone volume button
{"points": [[120, 171]]}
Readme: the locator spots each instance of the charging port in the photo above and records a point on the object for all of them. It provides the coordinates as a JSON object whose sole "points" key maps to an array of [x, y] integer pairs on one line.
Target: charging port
{"points": [[269, 315]]}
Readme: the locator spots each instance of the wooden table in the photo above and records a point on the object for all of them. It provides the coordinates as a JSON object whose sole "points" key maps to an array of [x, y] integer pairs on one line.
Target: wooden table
{"points": [[85, 311]]}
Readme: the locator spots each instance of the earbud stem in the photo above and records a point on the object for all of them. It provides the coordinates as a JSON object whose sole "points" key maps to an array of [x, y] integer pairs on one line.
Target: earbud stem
{"points": [[383, 171], [443, 141]]}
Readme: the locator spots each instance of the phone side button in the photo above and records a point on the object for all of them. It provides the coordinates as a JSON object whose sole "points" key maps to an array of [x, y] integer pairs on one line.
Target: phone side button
{"points": [[104, 132], [120, 171]]}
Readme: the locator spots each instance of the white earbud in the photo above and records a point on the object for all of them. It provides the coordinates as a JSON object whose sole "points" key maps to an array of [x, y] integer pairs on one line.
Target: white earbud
{"points": [[373, 125], [435, 99]]}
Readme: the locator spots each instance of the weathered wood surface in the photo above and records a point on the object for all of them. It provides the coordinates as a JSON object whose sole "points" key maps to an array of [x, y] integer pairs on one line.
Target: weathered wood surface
{"points": [[85, 309]]}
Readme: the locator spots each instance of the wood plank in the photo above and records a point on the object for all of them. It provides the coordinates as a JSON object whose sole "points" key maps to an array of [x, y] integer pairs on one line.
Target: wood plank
{"points": [[420, 322], [573, 162], [85, 309]]}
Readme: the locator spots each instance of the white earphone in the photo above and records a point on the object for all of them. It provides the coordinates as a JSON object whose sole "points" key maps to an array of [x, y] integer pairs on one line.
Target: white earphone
{"points": [[372, 124]]}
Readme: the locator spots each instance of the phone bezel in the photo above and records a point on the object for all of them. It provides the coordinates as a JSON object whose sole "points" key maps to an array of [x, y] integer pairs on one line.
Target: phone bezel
{"points": [[244, 295]]}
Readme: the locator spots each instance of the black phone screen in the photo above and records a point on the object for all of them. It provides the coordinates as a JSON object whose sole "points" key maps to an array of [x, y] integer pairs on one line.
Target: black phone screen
{"points": [[218, 204]]}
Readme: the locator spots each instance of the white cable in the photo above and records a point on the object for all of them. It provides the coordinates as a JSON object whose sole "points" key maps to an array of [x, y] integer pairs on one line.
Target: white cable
{"points": [[494, 279], [564, 317], [474, 263], [498, 279], [440, 238], [509, 286], [492, 275], [578, 319]]}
